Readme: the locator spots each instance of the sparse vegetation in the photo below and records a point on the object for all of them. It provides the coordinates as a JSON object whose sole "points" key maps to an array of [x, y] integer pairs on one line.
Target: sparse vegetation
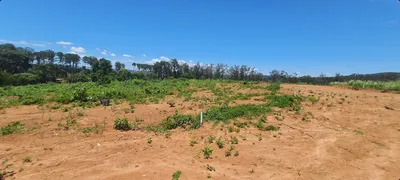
{"points": [[193, 142], [11, 128]]}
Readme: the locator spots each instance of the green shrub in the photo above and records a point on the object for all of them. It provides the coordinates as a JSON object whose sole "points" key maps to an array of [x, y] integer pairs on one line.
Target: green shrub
{"points": [[272, 128], [123, 124], [11, 128], [176, 175], [24, 79], [226, 113], [180, 120], [78, 77], [274, 87]]}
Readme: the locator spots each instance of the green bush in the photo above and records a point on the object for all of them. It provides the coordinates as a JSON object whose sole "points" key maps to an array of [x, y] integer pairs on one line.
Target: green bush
{"points": [[176, 175], [180, 120], [226, 113], [123, 124], [272, 128], [11, 128], [274, 87], [79, 77], [24, 79]]}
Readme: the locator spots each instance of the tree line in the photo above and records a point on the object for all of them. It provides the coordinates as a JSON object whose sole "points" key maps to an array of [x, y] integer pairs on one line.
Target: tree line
{"points": [[21, 66]]}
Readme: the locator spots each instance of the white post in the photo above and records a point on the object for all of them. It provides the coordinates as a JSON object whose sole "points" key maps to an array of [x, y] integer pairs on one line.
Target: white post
{"points": [[201, 117]]}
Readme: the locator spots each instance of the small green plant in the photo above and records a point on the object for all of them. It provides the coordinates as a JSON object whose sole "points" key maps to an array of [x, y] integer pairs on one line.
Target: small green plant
{"points": [[220, 143], [193, 142], [210, 168], [171, 103], [259, 137], [227, 153], [80, 113], [27, 159], [168, 134], [313, 99], [231, 148], [208, 175], [236, 153], [207, 151], [244, 138], [149, 140], [211, 139], [176, 175], [234, 140], [231, 129]]}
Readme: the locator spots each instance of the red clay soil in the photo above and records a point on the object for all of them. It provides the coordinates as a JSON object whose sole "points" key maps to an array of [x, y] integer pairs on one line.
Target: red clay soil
{"points": [[347, 134]]}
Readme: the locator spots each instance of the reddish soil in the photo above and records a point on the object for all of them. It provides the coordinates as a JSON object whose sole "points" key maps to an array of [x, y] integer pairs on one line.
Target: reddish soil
{"points": [[347, 134]]}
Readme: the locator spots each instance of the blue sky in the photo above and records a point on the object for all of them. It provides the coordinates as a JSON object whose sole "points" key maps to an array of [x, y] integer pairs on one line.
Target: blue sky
{"points": [[307, 37]]}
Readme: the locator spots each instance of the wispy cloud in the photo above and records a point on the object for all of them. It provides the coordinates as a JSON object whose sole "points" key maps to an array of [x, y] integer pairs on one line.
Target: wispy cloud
{"points": [[127, 55], [112, 54], [21, 43], [144, 55], [78, 49], [41, 45], [104, 52], [64, 43]]}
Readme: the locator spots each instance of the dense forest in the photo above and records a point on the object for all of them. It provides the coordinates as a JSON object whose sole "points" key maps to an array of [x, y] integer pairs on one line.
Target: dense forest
{"points": [[21, 66]]}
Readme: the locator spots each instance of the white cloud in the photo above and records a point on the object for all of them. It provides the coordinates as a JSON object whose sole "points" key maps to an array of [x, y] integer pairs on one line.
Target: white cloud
{"points": [[64, 43], [112, 54], [22, 43], [127, 55], [104, 52], [154, 60], [78, 49], [41, 45], [144, 55]]}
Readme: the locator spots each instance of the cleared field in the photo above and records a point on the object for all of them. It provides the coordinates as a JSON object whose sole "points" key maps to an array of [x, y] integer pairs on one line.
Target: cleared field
{"points": [[251, 131]]}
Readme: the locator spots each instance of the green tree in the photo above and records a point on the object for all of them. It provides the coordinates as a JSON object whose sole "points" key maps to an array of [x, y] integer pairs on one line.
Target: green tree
{"points": [[101, 71], [119, 66]]}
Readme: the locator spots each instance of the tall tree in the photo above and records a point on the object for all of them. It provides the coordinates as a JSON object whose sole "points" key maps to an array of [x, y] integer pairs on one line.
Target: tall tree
{"points": [[118, 66]]}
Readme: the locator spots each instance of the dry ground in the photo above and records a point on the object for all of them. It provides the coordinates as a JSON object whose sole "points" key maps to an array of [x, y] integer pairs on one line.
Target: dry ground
{"points": [[347, 134]]}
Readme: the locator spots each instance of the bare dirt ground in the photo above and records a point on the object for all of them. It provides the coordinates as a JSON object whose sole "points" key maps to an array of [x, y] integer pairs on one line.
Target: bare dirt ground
{"points": [[347, 134]]}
